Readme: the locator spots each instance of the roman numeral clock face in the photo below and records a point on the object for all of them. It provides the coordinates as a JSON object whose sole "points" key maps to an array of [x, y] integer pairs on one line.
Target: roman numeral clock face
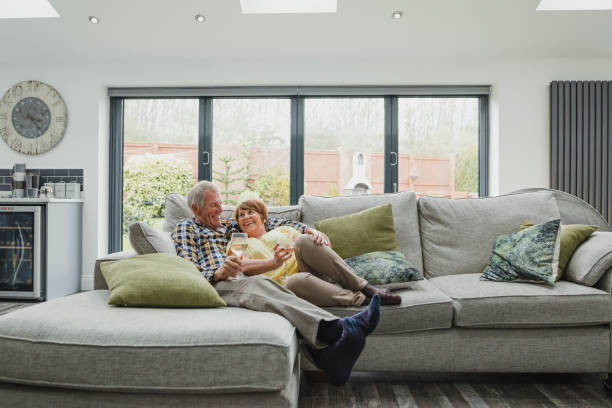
{"points": [[33, 117]]}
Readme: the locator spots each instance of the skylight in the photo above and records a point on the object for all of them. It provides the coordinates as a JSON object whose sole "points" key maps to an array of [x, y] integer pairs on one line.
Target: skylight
{"points": [[558, 5], [27, 9], [288, 6]]}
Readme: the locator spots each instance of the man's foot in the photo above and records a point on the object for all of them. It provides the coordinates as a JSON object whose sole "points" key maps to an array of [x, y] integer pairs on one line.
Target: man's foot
{"points": [[368, 318], [338, 360]]}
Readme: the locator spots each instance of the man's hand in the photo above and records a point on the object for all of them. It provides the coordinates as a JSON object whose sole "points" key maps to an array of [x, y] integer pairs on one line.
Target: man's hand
{"points": [[230, 268], [318, 237]]}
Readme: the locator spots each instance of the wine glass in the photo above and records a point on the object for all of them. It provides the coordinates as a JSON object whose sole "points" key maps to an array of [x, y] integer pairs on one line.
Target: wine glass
{"points": [[238, 245], [286, 242]]}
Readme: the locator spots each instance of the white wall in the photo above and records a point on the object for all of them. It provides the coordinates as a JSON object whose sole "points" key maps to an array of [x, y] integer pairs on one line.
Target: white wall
{"points": [[519, 120]]}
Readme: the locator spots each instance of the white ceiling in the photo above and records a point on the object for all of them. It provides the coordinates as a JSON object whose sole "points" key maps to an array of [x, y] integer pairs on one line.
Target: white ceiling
{"points": [[156, 30]]}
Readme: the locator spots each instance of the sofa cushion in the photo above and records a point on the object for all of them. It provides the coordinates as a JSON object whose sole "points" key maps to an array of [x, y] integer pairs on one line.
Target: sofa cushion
{"points": [[164, 280], [531, 255], [479, 303], [457, 234], [390, 269], [147, 240], [405, 217], [362, 232], [423, 307], [591, 260], [177, 209], [81, 342]]}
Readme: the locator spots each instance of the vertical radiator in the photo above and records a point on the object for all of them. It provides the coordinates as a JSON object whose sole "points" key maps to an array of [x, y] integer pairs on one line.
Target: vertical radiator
{"points": [[581, 141]]}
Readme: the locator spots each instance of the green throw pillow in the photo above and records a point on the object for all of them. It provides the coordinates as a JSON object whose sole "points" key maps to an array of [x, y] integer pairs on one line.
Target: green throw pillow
{"points": [[163, 280], [385, 268], [572, 235], [364, 231], [531, 255]]}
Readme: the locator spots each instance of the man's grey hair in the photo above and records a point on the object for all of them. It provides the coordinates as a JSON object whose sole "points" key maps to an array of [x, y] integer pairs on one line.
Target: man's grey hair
{"points": [[197, 192]]}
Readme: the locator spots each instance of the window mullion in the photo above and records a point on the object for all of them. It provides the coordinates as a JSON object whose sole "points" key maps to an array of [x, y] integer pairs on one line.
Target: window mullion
{"points": [[391, 144], [296, 181], [205, 139], [116, 175]]}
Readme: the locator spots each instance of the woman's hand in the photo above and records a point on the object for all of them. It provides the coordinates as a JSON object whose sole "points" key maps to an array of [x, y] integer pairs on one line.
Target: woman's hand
{"points": [[281, 255], [318, 237]]}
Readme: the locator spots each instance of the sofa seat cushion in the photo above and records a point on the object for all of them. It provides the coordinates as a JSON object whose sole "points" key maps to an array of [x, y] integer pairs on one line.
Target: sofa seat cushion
{"points": [[81, 342], [423, 307], [479, 303]]}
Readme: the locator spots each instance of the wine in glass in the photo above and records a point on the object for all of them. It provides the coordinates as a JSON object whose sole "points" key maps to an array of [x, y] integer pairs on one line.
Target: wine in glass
{"points": [[238, 245]]}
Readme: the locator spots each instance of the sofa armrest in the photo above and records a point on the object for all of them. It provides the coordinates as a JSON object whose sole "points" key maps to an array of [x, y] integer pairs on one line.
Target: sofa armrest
{"points": [[605, 283], [99, 281]]}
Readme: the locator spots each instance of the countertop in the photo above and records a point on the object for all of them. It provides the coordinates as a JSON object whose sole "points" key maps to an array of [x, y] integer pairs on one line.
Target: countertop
{"points": [[39, 200]]}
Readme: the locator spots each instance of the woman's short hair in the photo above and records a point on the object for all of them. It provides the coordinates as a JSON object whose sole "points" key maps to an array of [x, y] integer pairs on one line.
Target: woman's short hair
{"points": [[197, 192], [254, 204]]}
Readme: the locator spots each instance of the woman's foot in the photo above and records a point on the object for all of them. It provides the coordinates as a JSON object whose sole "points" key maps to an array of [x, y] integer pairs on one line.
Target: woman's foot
{"points": [[386, 297]]}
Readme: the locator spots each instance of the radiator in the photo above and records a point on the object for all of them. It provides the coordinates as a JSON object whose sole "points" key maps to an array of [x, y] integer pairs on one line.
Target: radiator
{"points": [[581, 141]]}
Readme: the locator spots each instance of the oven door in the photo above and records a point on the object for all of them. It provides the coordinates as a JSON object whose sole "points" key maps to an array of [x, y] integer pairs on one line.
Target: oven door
{"points": [[20, 252]]}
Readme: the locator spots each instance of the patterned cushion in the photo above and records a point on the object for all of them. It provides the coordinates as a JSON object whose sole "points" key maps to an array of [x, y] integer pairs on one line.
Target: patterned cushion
{"points": [[385, 268], [531, 255]]}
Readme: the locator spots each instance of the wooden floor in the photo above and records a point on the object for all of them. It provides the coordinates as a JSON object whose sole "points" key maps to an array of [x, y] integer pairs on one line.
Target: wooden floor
{"points": [[373, 390], [391, 390]]}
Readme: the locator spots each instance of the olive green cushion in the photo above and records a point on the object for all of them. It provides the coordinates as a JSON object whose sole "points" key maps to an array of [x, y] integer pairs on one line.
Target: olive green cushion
{"points": [[162, 280], [572, 235], [361, 232]]}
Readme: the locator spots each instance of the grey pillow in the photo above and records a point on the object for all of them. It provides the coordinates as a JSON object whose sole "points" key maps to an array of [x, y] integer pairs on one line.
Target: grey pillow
{"points": [[590, 260], [176, 210], [146, 240], [458, 234]]}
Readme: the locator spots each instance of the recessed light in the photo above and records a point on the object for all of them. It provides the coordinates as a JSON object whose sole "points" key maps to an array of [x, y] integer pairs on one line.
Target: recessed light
{"points": [[288, 6], [200, 18], [94, 20], [567, 5], [397, 15]]}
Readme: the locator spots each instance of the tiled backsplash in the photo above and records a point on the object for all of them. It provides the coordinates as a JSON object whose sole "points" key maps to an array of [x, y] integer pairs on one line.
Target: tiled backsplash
{"points": [[46, 176]]}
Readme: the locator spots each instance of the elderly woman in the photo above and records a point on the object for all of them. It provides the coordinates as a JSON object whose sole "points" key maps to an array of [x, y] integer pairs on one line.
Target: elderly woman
{"points": [[311, 270]]}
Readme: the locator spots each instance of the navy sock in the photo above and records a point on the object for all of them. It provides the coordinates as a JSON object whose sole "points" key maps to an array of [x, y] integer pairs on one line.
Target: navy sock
{"points": [[338, 360], [329, 332], [369, 318]]}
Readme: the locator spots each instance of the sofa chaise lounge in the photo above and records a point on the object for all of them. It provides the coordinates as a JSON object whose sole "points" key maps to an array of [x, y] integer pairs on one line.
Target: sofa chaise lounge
{"points": [[78, 351]]}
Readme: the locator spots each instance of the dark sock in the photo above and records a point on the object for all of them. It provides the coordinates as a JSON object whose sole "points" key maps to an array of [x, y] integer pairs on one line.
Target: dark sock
{"points": [[338, 360], [329, 332], [368, 318]]}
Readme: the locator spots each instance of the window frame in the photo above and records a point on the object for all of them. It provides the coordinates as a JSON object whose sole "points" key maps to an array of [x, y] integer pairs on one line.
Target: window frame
{"points": [[297, 96]]}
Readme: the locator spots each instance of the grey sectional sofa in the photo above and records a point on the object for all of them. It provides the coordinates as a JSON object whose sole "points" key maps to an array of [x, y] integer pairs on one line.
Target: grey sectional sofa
{"points": [[77, 351]]}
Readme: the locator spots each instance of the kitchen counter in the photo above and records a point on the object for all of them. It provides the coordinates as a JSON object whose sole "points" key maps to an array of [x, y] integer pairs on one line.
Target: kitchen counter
{"points": [[40, 200]]}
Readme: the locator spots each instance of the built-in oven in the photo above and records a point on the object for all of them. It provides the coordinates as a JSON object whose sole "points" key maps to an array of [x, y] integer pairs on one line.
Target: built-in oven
{"points": [[21, 256]]}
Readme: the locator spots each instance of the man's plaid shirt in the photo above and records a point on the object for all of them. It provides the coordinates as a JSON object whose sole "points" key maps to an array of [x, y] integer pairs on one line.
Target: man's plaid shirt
{"points": [[205, 246]]}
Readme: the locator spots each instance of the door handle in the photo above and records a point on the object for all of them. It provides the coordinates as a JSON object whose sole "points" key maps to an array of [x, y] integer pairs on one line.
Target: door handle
{"points": [[393, 154], [206, 158]]}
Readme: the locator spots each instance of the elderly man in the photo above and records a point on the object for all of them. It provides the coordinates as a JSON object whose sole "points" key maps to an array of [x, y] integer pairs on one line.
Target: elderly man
{"points": [[335, 343]]}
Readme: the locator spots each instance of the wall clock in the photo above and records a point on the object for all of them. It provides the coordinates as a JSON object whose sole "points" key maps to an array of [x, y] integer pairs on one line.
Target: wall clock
{"points": [[33, 117]]}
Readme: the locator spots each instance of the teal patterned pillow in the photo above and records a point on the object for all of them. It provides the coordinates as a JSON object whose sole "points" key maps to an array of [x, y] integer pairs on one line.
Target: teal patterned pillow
{"points": [[530, 255], [385, 268]]}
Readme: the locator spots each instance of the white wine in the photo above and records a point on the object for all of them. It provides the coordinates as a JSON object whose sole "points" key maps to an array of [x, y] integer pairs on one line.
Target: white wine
{"points": [[238, 249]]}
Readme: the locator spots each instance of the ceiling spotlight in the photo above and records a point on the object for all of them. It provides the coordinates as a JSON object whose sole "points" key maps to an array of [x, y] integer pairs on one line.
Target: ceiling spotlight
{"points": [[397, 15], [94, 20], [200, 18]]}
